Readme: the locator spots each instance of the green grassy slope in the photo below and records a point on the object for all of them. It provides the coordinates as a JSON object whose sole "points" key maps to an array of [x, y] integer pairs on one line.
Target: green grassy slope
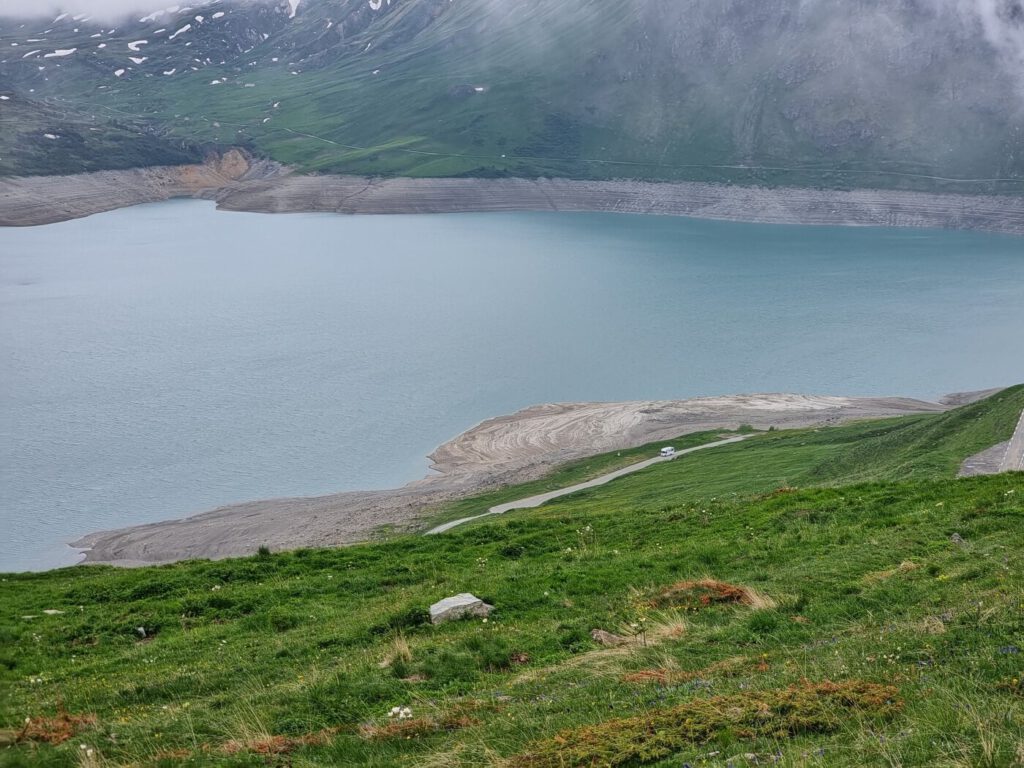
{"points": [[777, 92], [297, 659], [643, 91], [37, 138], [891, 449]]}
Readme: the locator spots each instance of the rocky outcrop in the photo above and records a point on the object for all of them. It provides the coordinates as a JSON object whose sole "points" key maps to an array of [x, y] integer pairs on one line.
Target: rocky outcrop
{"points": [[32, 200], [880, 208]]}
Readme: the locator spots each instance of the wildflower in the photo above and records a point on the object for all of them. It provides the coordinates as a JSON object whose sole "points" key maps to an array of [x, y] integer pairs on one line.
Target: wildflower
{"points": [[215, 588]]}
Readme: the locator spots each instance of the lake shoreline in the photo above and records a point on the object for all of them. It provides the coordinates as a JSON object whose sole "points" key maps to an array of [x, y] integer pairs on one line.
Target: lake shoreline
{"points": [[237, 182], [499, 452]]}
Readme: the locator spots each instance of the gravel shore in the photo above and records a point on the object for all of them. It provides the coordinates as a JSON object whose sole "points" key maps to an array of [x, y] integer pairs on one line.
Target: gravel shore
{"points": [[501, 451], [239, 183]]}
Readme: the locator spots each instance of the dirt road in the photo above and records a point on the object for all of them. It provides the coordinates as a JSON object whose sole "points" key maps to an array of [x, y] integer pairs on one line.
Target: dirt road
{"points": [[533, 502], [1013, 459]]}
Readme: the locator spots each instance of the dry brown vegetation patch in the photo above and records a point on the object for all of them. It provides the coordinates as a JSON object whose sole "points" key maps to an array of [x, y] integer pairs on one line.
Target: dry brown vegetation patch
{"points": [[54, 730], [779, 713], [704, 593], [666, 676], [277, 745], [907, 566], [784, 490], [417, 728]]}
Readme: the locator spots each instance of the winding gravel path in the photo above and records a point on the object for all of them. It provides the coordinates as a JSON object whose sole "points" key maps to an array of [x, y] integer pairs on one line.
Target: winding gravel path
{"points": [[1013, 460], [532, 502]]}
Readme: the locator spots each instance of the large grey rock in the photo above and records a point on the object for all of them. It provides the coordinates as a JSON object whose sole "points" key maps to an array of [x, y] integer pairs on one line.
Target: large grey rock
{"points": [[458, 607]]}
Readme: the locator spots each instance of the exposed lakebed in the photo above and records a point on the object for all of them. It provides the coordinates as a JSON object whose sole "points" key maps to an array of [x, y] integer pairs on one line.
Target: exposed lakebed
{"points": [[166, 359]]}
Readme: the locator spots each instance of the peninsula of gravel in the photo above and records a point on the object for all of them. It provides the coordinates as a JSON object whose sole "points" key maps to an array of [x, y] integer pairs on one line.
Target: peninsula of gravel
{"points": [[505, 451]]}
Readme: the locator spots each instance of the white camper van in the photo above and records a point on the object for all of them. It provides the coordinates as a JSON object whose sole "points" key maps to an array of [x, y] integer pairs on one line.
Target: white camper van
{"points": [[666, 452]]}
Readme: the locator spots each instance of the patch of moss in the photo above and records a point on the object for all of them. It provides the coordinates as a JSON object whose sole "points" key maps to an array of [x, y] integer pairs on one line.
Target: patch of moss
{"points": [[798, 709]]}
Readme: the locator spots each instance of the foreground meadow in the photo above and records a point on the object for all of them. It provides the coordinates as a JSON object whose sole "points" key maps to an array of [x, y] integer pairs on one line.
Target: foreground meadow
{"points": [[829, 597]]}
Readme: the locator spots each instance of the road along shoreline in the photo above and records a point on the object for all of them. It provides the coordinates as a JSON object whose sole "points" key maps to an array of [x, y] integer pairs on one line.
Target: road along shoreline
{"points": [[237, 182], [499, 452], [532, 502]]}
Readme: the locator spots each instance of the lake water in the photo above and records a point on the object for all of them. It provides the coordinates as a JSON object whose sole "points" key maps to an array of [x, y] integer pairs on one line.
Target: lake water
{"points": [[162, 360]]}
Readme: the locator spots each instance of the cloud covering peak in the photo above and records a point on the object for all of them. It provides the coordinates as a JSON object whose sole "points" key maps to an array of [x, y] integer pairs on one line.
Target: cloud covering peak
{"points": [[101, 9]]}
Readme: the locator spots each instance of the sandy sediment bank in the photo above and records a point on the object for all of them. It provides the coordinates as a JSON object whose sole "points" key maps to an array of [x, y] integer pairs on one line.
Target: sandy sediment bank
{"points": [[238, 183], [34, 200], [501, 451], [882, 208]]}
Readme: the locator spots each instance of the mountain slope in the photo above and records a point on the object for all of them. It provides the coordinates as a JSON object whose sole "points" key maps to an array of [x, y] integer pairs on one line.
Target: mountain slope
{"points": [[912, 94]]}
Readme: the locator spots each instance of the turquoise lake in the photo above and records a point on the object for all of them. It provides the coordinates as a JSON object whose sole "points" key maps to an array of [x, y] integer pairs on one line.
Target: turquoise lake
{"points": [[162, 360]]}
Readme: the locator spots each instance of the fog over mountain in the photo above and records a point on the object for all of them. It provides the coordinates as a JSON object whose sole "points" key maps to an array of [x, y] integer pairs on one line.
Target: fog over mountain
{"points": [[920, 93], [97, 9]]}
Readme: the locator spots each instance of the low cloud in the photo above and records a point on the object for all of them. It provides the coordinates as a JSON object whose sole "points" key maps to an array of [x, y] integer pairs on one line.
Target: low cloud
{"points": [[1001, 23], [100, 9]]}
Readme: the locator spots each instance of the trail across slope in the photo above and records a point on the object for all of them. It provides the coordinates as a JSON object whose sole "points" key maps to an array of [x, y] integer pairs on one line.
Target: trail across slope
{"points": [[532, 502], [497, 453], [1013, 459]]}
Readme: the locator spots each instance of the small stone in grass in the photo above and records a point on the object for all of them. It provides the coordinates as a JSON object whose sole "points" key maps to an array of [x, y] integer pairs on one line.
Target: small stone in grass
{"points": [[458, 607]]}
